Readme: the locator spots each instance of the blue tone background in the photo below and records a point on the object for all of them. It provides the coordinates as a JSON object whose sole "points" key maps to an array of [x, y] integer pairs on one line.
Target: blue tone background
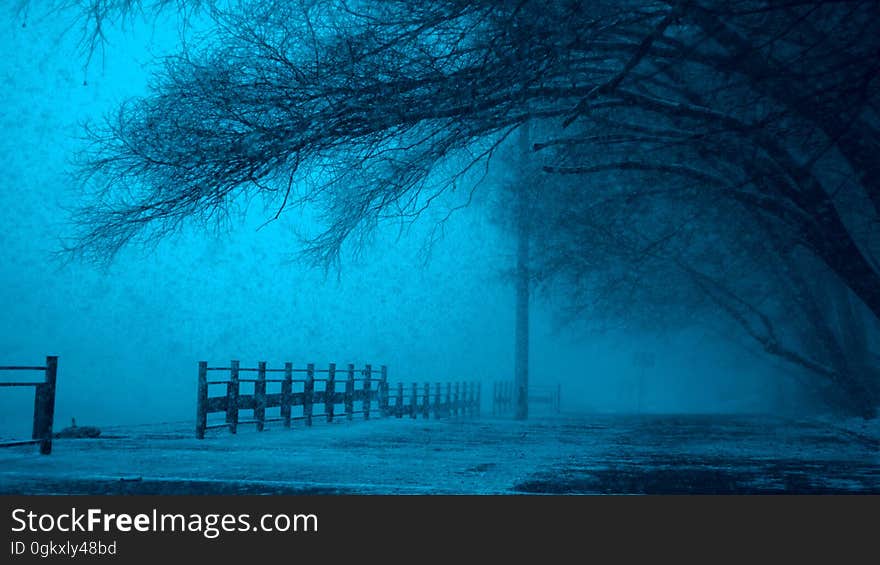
{"points": [[129, 336]]}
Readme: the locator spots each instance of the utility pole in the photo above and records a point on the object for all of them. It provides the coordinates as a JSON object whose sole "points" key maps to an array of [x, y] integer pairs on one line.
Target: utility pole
{"points": [[521, 361]]}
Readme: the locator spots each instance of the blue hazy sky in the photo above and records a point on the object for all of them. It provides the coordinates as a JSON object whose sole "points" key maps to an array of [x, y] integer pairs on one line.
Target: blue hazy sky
{"points": [[129, 336]]}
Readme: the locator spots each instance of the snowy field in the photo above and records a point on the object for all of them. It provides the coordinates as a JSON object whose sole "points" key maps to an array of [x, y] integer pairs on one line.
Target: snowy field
{"points": [[577, 454]]}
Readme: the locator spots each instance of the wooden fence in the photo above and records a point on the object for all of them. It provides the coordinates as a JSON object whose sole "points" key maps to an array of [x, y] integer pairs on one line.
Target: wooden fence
{"points": [[504, 397], [325, 389], [44, 403]]}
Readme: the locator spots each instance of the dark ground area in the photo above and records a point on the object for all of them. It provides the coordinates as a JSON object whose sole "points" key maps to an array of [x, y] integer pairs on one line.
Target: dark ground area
{"points": [[569, 454]]}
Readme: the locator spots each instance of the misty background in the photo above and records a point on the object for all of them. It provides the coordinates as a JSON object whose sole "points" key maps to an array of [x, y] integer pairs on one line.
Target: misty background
{"points": [[129, 335]]}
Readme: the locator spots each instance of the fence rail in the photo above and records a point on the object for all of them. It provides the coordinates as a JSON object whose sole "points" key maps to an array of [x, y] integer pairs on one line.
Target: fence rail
{"points": [[44, 403], [504, 396], [355, 387]]}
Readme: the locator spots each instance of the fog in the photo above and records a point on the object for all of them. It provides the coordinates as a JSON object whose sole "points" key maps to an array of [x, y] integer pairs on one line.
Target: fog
{"points": [[129, 335]]}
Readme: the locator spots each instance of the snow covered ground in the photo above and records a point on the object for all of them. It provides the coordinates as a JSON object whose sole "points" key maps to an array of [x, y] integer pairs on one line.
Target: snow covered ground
{"points": [[581, 454]]}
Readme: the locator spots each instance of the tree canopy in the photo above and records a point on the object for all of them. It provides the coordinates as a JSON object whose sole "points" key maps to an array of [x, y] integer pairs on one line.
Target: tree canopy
{"points": [[759, 117]]}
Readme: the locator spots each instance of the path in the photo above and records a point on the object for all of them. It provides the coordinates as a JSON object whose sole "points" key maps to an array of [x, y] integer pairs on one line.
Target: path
{"points": [[570, 454]]}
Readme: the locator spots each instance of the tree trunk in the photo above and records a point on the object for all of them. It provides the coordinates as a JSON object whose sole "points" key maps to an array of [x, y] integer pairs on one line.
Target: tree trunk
{"points": [[849, 380], [521, 362]]}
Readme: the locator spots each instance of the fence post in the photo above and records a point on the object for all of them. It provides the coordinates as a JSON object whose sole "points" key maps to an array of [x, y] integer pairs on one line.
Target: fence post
{"points": [[286, 393], [456, 398], [308, 393], [558, 396], [44, 406], [330, 392], [202, 401], [349, 393], [368, 374], [463, 401], [260, 396], [383, 391], [426, 402], [473, 398], [414, 401], [232, 397], [447, 407], [398, 403], [438, 405], [479, 398]]}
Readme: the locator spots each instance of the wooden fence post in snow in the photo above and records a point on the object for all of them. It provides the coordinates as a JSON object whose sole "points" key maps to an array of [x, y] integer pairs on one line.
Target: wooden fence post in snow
{"points": [[479, 398], [202, 401], [462, 399], [426, 402], [368, 375], [260, 396], [473, 399], [232, 388], [383, 391], [44, 406], [286, 393], [438, 404], [309, 392], [349, 393], [330, 392], [414, 401]]}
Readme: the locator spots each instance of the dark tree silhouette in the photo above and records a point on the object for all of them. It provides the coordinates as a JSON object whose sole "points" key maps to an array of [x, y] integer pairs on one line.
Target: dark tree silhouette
{"points": [[370, 110], [666, 258]]}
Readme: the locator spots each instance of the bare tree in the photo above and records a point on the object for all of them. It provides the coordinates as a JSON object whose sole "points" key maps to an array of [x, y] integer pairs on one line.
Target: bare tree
{"points": [[371, 110], [629, 251]]}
